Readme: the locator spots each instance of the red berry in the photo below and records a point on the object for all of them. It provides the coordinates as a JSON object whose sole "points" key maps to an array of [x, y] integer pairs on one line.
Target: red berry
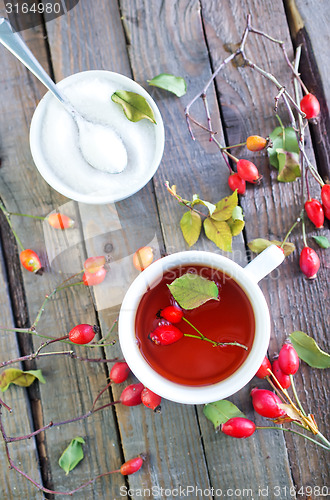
{"points": [[60, 221], [151, 400], [263, 370], [288, 359], [325, 196], [93, 264], [30, 260], [236, 182], [283, 378], [238, 427], [248, 171], [326, 211], [165, 335], [82, 334], [131, 395], [143, 257], [256, 143], [310, 106], [309, 262], [131, 466], [119, 372], [266, 403], [92, 279], [315, 212], [173, 314]]}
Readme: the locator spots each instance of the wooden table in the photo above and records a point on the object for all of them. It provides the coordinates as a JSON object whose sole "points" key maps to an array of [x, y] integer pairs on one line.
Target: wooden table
{"points": [[141, 39]]}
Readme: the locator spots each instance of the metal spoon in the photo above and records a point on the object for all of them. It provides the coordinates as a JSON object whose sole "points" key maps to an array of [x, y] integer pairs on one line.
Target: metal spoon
{"points": [[111, 153]]}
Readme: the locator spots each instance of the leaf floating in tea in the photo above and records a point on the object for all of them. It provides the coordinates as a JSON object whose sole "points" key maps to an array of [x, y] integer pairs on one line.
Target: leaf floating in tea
{"points": [[308, 350], [191, 290], [221, 411], [135, 106], [175, 84]]}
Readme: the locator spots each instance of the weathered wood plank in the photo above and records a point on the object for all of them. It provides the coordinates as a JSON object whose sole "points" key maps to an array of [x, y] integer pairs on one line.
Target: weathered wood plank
{"points": [[71, 386], [296, 303], [195, 167]]}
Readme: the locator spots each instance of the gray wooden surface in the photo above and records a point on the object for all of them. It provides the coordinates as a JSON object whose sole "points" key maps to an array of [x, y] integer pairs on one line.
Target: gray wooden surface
{"points": [[141, 39]]}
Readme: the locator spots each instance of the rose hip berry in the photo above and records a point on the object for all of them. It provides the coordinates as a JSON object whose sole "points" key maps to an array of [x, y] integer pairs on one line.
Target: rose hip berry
{"points": [[288, 359], [263, 370], [151, 400], [248, 171], [82, 334], [266, 403], [93, 264], [283, 378], [92, 279], [238, 427], [256, 143], [30, 260], [236, 182], [326, 211], [119, 372], [173, 314], [325, 196], [143, 257], [314, 211], [309, 262], [165, 335], [310, 106], [131, 395], [131, 466], [60, 221]]}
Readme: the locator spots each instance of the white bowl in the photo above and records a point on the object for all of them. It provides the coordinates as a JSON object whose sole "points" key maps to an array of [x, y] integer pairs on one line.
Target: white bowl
{"points": [[247, 278], [53, 132]]}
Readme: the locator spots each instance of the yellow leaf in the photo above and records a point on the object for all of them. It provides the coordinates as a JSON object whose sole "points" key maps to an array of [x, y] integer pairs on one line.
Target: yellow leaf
{"points": [[219, 232]]}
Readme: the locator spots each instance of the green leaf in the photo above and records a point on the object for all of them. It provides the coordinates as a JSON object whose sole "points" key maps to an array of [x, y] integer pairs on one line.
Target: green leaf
{"points": [[72, 455], [225, 207], [175, 84], [221, 411], [191, 225], [308, 350], [135, 106], [289, 168], [259, 244], [20, 378], [282, 139], [236, 222], [192, 290], [322, 241], [197, 201], [219, 233]]}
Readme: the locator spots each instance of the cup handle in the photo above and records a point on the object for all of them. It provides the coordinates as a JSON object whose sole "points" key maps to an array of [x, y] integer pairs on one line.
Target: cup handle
{"points": [[265, 263]]}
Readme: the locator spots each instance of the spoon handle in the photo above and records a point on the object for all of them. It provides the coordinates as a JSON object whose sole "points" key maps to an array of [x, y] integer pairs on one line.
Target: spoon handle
{"points": [[15, 44]]}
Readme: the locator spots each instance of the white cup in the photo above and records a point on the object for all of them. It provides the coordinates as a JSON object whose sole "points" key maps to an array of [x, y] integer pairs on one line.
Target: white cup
{"points": [[56, 151], [247, 278]]}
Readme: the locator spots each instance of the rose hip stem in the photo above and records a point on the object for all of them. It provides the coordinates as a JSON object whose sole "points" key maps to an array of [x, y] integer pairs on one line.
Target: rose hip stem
{"points": [[202, 337], [297, 221], [7, 215], [295, 432]]}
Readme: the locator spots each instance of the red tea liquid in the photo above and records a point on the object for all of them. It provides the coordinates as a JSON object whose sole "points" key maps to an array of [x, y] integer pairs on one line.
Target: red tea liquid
{"points": [[193, 361]]}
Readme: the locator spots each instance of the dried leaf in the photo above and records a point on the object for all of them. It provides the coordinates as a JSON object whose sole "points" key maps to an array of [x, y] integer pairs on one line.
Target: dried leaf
{"points": [[191, 225], [259, 244], [225, 207], [289, 168], [20, 378], [308, 350], [218, 232], [175, 84], [291, 413], [192, 290], [135, 106], [221, 411], [72, 455]]}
